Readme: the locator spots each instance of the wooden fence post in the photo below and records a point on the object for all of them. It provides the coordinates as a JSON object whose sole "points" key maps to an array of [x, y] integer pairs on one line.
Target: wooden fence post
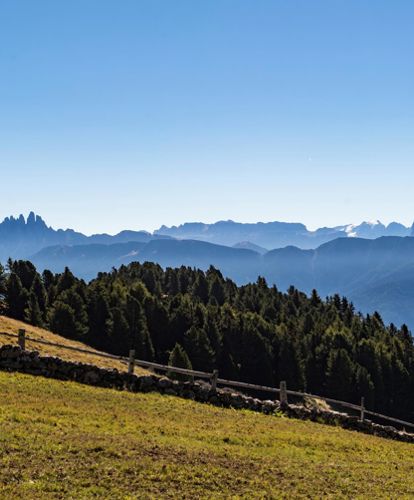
{"points": [[131, 363], [283, 393], [213, 380], [362, 408], [22, 339]]}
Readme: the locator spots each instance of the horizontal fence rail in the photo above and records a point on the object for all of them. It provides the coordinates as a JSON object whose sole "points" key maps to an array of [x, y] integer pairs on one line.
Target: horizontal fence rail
{"points": [[213, 377]]}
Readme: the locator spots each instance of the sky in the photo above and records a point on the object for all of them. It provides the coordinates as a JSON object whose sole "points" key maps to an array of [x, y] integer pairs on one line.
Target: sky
{"points": [[137, 113]]}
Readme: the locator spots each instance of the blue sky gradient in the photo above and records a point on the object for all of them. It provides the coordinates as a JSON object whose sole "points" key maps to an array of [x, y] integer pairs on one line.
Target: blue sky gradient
{"points": [[137, 113]]}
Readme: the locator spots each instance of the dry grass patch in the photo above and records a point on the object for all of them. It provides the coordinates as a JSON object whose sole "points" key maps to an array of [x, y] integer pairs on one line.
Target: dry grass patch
{"points": [[9, 325]]}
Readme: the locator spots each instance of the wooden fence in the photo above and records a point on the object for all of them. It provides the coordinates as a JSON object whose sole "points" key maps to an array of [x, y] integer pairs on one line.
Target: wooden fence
{"points": [[282, 390]]}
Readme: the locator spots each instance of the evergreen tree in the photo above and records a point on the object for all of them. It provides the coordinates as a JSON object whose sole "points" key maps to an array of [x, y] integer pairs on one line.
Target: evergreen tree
{"points": [[38, 290], [3, 281], [26, 271], [340, 375], [120, 334], [66, 281], [32, 313], [62, 320], [100, 318], [199, 349], [16, 298], [200, 288], [217, 290], [179, 359], [75, 301], [140, 338], [290, 366]]}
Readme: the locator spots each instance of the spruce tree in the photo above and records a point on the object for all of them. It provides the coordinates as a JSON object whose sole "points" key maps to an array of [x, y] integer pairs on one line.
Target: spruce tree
{"points": [[38, 290], [16, 298], [198, 348], [217, 291], [66, 281], [140, 337], [33, 315], [99, 318], [200, 288], [340, 375], [120, 336], [62, 320], [179, 358]]}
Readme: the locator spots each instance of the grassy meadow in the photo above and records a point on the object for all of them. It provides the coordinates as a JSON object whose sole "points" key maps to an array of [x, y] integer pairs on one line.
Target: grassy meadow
{"points": [[64, 440]]}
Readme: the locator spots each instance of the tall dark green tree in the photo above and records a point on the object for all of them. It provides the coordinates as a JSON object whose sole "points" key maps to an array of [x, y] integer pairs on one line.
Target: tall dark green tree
{"points": [[62, 321], [16, 298], [179, 358], [198, 348], [100, 318], [340, 375], [38, 290], [139, 334], [33, 314]]}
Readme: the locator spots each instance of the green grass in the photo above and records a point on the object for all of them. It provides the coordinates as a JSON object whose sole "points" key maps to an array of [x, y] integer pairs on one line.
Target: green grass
{"points": [[65, 440]]}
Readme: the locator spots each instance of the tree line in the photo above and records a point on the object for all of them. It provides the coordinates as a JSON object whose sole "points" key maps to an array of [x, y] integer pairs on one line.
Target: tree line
{"points": [[202, 320]]}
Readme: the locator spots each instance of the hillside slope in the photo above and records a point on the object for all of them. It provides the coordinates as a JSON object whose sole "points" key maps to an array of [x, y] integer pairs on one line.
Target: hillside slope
{"points": [[10, 325], [62, 439]]}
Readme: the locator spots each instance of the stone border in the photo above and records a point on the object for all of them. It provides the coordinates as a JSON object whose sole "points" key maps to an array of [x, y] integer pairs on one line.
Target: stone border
{"points": [[13, 358]]}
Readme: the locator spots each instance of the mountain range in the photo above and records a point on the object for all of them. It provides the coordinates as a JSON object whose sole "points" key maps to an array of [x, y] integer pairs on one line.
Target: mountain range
{"points": [[375, 273], [270, 235], [21, 237]]}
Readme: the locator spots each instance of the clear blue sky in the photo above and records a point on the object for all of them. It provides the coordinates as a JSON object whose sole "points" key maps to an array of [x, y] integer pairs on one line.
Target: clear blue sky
{"points": [[133, 113]]}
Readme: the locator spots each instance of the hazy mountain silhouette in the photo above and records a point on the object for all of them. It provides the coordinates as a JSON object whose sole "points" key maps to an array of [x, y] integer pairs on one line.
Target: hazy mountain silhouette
{"points": [[87, 260], [20, 237], [271, 235]]}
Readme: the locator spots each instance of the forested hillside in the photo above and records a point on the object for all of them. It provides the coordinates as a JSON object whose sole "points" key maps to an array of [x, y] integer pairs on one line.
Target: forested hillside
{"points": [[254, 332]]}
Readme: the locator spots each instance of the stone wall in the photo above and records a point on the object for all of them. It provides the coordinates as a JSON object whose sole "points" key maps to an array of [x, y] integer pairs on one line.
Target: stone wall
{"points": [[13, 358]]}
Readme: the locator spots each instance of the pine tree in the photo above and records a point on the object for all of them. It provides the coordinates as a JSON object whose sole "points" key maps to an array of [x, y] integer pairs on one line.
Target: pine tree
{"points": [[340, 375], [76, 302], [198, 348], [217, 290], [140, 337], [39, 291], [16, 298], [3, 280], [256, 358], [66, 281], [290, 366], [33, 314], [200, 288], [120, 341], [179, 359], [100, 318], [26, 271], [62, 320]]}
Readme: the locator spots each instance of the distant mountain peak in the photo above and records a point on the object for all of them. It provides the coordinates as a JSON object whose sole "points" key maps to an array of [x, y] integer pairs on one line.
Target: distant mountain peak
{"points": [[30, 220]]}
